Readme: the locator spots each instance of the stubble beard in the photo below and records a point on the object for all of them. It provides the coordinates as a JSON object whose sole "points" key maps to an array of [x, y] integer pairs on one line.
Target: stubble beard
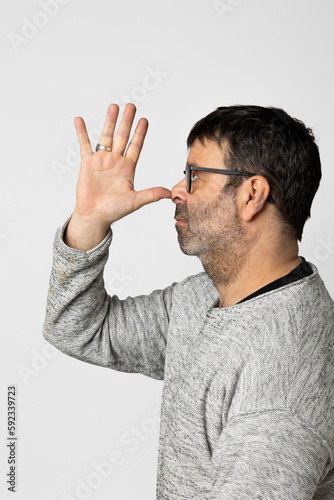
{"points": [[215, 235]]}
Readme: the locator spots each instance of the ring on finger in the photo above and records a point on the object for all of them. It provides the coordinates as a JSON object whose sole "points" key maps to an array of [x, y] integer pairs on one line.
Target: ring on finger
{"points": [[100, 146]]}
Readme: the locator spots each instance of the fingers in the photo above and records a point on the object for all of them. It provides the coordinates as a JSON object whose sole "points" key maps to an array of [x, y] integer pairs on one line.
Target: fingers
{"points": [[107, 134], [123, 132], [137, 140], [119, 143], [84, 142], [151, 195]]}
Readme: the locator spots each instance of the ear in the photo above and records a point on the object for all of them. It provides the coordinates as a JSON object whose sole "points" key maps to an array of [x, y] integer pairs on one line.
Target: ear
{"points": [[253, 194]]}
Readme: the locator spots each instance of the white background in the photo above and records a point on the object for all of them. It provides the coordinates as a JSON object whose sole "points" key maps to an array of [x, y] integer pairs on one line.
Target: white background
{"points": [[83, 56]]}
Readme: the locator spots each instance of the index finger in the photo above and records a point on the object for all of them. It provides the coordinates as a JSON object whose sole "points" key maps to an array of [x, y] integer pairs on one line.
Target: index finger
{"points": [[137, 140], [84, 142]]}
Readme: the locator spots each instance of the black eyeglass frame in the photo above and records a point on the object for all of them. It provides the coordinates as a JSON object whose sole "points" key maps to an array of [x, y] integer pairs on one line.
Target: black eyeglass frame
{"points": [[189, 168]]}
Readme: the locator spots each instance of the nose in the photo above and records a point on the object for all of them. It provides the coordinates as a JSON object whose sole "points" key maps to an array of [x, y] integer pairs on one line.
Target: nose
{"points": [[179, 192]]}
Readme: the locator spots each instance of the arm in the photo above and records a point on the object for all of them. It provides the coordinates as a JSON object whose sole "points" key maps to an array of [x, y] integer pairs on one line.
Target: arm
{"points": [[81, 319], [269, 454]]}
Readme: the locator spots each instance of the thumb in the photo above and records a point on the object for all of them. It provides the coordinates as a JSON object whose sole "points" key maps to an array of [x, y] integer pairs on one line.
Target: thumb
{"points": [[151, 195]]}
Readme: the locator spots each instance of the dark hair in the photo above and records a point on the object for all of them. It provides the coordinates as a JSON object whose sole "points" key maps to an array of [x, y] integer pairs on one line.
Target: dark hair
{"points": [[268, 142]]}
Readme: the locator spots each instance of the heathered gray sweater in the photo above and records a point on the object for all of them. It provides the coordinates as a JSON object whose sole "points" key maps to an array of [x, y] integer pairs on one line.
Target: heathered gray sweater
{"points": [[248, 394]]}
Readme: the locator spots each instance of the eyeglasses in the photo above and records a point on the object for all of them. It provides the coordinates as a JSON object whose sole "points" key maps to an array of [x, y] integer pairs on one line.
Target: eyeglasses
{"points": [[189, 176]]}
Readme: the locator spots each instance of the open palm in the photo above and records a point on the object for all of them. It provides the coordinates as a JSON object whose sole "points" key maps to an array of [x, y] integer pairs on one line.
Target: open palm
{"points": [[105, 190]]}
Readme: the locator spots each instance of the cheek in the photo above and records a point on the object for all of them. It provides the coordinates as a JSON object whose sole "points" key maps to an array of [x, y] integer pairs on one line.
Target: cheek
{"points": [[199, 216]]}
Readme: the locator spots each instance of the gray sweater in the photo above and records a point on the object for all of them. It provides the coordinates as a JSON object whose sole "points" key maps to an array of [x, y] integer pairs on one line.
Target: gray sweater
{"points": [[248, 393]]}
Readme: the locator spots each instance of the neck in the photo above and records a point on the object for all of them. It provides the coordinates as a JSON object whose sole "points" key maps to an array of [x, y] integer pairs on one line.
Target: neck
{"points": [[242, 272]]}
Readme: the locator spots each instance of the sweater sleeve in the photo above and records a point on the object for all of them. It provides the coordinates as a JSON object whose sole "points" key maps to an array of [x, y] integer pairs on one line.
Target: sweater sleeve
{"points": [[83, 321], [269, 455]]}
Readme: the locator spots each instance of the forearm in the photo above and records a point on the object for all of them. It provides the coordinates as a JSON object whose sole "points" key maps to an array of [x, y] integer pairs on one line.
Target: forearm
{"points": [[83, 234], [77, 301], [83, 321]]}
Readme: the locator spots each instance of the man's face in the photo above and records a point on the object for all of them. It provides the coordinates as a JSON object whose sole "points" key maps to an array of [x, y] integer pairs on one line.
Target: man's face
{"points": [[211, 227]]}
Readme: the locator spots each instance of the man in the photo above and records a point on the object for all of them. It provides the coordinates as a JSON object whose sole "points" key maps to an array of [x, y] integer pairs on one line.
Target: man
{"points": [[245, 348]]}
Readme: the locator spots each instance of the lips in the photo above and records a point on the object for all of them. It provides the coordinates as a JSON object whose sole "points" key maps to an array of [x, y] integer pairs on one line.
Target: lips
{"points": [[181, 213]]}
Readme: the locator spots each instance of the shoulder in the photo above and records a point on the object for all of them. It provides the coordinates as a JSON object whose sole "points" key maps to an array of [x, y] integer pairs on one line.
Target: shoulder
{"points": [[310, 302], [316, 295], [295, 302]]}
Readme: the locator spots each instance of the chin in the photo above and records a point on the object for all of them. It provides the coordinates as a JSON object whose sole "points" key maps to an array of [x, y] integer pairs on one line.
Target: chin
{"points": [[186, 250], [189, 243], [184, 245], [188, 247]]}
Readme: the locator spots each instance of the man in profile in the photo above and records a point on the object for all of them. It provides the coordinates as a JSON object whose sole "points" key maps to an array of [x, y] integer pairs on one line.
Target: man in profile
{"points": [[245, 348]]}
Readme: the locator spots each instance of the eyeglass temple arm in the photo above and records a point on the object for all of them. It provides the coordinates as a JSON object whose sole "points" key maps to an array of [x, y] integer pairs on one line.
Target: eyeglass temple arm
{"points": [[270, 199]]}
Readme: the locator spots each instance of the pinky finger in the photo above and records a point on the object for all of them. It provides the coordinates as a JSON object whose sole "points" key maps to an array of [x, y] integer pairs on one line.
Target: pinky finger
{"points": [[84, 142]]}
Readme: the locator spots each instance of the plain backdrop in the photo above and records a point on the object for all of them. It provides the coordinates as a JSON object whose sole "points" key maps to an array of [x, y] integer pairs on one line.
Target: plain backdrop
{"points": [[177, 61]]}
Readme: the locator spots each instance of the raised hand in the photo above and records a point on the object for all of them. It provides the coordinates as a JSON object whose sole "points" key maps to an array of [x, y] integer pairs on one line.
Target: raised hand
{"points": [[105, 190]]}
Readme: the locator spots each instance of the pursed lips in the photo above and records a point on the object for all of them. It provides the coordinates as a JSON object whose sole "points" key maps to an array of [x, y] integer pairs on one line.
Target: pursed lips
{"points": [[180, 221]]}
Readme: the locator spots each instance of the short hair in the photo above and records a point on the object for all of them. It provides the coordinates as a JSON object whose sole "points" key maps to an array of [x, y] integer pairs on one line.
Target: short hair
{"points": [[268, 142]]}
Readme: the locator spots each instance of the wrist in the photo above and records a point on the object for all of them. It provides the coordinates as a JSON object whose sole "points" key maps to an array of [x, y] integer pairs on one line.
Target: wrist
{"points": [[84, 233]]}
